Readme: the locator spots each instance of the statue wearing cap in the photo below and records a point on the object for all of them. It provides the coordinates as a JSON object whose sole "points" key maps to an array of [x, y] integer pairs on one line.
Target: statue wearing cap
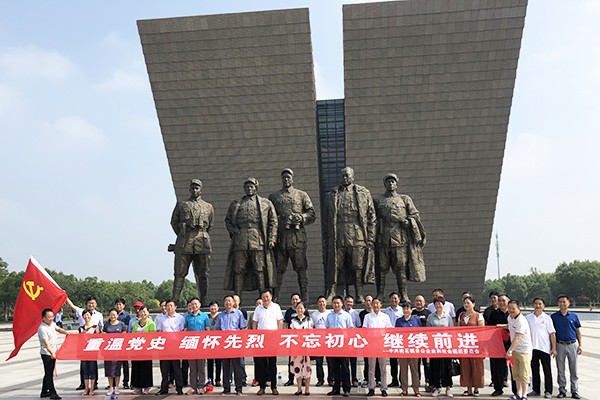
{"points": [[400, 238], [192, 220], [294, 211], [252, 226], [349, 236]]}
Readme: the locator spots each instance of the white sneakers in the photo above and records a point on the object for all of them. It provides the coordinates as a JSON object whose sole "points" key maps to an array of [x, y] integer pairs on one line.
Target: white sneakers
{"points": [[448, 392]]}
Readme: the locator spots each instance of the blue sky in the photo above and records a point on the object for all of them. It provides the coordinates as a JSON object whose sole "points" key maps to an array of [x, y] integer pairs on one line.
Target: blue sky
{"points": [[84, 180]]}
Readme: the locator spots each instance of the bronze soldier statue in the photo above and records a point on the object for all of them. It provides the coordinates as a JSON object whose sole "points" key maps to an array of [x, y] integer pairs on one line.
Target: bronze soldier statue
{"points": [[192, 220], [349, 236], [400, 238], [294, 210], [252, 226]]}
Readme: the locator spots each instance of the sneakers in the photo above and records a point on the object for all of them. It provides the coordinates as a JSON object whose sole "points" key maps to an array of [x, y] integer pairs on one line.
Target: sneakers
{"points": [[371, 392], [449, 392], [547, 395], [384, 393], [575, 395], [365, 384], [137, 391], [116, 391], [561, 395], [110, 391], [146, 391], [499, 393], [533, 393], [320, 383], [435, 393]]}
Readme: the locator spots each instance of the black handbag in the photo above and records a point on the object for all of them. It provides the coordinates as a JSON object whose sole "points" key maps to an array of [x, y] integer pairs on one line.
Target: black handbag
{"points": [[454, 367]]}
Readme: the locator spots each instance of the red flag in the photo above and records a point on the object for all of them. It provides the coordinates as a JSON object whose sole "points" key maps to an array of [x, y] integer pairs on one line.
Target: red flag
{"points": [[38, 291]]}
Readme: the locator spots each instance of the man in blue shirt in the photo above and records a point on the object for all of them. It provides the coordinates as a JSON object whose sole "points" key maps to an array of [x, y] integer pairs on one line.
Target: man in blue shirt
{"points": [[231, 319], [340, 365], [568, 345], [196, 321]]}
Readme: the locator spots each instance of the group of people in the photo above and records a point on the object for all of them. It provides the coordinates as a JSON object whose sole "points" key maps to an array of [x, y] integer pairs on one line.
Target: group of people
{"points": [[534, 339]]}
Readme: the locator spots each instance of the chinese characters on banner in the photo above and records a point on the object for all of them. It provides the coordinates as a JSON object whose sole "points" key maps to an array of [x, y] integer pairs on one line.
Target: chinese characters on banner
{"points": [[453, 342]]}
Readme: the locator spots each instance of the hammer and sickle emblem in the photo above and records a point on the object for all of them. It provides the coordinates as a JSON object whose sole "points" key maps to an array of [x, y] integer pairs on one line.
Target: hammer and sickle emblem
{"points": [[28, 287]]}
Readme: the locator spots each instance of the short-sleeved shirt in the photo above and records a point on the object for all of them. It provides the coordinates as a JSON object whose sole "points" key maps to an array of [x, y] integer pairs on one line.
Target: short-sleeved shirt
{"points": [[379, 320], [448, 308], [393, 314], [231, 321], [319, 318], [116, 328], [339, 320], [305, 323], [171, 323], [541, 328], [412, 322], [445, 320], [96, 319], [566, 326], [197, 322], [355, 317], [520, 325], [290, 314], [266, 318], [125, 318], [48, 332], [423, 314]]}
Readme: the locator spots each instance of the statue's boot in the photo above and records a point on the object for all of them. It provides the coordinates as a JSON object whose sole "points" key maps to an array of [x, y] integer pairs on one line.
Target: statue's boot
{"points": [[202, 284], [261, 281], [359, 287], [401, 279], [177, 287], [331, 294], [303, 285]]}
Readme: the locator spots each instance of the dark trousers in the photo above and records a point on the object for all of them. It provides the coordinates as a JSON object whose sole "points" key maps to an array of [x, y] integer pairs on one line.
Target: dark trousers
{"points": [[440, 372], [341, 372], [214, 370], [125, 371], [353, 370], [266, 370], [232, 366], [500, 373], [81, 374], [185, 371], [48, 381], [165, 368], [540, 357], [320, 370], [394, 370]]}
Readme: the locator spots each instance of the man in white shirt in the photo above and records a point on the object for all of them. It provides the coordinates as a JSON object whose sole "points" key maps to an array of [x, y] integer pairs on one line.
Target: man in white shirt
{"points": [[267, 316], [171, 322], [97, 319], [348, 304], [319, 317], [48, 346], [448, 306], [377, 319], [520, 349], [543, 338], [394, 312]]}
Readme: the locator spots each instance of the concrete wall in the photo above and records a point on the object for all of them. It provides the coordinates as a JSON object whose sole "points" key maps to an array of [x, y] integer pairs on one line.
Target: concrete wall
{"points": [[428, 88], [235, 97]]}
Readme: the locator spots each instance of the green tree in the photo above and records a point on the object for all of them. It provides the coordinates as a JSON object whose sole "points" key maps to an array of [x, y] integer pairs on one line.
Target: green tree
{"points": [[9, 290], [580, 280], [165, 291]]}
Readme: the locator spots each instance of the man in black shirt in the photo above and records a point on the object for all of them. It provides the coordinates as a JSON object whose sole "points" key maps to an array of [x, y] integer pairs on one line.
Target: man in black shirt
{"points": [[493, 297], [290, 314], [498, 368], [422, 312]]}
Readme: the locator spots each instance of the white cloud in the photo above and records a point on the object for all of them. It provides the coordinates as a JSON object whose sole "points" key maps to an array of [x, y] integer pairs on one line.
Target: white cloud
{"points": [[124, 81], [78, 130], [71, 135], [11, 102], [32, 62]]}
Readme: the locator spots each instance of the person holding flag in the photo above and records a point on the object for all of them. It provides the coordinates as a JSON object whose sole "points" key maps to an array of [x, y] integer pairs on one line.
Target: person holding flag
{"points": [[48, 346]]}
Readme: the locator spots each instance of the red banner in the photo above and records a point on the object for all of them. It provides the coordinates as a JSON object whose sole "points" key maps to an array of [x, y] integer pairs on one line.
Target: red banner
{"points": [[454, 342], [38, 291]]}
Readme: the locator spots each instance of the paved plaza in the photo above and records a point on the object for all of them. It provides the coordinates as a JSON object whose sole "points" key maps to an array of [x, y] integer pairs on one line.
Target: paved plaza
{"points": [[21, 376]]}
